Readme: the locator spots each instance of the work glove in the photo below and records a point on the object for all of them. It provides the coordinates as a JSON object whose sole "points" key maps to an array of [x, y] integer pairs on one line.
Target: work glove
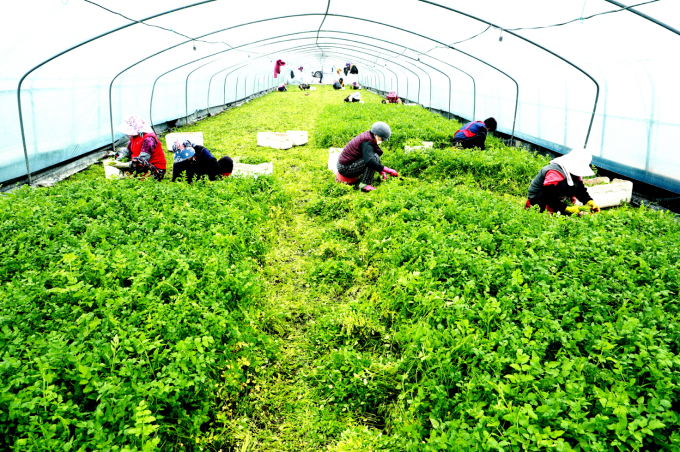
{"points": [[573, 210], [139, 164], [383, 174], [390, 171], [121, 166], [367, 188], [593, 206]]}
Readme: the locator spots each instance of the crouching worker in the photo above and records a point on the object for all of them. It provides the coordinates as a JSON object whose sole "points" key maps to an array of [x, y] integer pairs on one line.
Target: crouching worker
{"points": [[473, 134], [562, 181], [303, 86], [392, 98], [144, 150], [282, 87], [360, 159], [354, 97], [197, 161], [338, 84]]}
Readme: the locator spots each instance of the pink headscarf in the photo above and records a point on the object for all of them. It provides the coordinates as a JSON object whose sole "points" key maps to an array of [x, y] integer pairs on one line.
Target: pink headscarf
{"points": [[134, 125]]}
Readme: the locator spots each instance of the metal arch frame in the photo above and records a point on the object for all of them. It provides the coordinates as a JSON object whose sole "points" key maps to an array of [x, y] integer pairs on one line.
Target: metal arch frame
{"points": [[645, 16], [363, 59], [452, 48], [277, 18], [364, 51], [331, 31], [348, 17], [597, 85], [441, 72], [237, 79], [186, 91], [367, 44], [474, 84], [21, 117]]}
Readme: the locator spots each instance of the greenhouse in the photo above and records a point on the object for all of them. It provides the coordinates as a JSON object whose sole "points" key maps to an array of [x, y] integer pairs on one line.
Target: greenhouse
{"points": [[408, 225]]}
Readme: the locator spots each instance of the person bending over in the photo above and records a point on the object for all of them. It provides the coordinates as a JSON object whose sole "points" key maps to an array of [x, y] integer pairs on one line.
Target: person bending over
{"points": [[360, 159], [561, 181], [473, 134], [193, 161], [354, 97], [144, 150]]}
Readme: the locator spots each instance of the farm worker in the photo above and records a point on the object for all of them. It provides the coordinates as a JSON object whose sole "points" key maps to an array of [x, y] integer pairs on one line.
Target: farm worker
{"points": [[361, 157], [354, 97], [392, 98], [282, 87], [355, 85], [561, 181], [339, 84], [197, 161], [473, 134], [144, 149]]}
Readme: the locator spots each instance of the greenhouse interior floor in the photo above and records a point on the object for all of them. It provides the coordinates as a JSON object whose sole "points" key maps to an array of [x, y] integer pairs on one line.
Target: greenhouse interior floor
{"points": [[293, 313]]}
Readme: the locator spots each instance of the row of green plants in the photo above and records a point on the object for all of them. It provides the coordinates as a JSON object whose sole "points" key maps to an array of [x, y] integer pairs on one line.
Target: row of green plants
{"points": [[500, 168], [127, 312], [469, 323]]}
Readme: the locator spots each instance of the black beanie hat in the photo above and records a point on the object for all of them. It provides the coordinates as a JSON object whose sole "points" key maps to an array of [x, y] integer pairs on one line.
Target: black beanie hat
{"points": [[226, 164]]}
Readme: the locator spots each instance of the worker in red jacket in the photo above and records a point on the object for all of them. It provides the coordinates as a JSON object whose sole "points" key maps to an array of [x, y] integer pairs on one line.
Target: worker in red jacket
{"points": [[473, 134], [561, 183], [144, 149]]}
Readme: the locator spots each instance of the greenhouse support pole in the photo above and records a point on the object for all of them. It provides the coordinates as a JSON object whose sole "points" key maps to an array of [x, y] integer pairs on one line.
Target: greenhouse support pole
{"points": [[597, 86], [186, 91], [649, 18], [21, 117]]}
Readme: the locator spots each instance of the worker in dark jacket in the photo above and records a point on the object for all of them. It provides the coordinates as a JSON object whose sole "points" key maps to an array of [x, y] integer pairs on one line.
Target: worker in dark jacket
{"points": [[360, 159], [473, 134], [338, 84], [562, 181], [197, 161]]}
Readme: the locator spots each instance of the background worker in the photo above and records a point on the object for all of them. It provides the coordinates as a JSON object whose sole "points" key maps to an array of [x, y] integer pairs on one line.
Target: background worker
{"points": [[144, 149], [392, 98], [197, 161], [339, 84], [354, 97], [361, 157], [473, 134], [282, 87], [562, 181]]}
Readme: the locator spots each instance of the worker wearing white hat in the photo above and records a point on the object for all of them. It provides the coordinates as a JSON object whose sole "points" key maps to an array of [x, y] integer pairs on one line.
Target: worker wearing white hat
{"points": [[562, 181]]}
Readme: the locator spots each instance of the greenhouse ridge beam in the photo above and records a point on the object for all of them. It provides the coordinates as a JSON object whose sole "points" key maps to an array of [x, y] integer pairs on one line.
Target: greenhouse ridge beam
{"points": [[649, 18], [597, 86], [21, 119]]}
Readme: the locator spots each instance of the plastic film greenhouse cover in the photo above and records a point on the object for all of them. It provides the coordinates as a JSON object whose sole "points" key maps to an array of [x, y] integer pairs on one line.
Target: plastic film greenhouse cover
{"points": [[555, 74]]}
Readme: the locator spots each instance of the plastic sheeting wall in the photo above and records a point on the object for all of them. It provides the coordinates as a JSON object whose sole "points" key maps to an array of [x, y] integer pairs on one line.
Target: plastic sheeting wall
{"points": [[444, 59]]}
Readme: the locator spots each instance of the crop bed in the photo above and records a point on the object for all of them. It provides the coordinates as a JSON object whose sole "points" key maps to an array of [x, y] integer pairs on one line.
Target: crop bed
{"points": [[293, 313]]}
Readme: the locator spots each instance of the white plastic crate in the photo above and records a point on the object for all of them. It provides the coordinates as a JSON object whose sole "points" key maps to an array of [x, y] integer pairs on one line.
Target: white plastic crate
{"points": [[612, 194], [333, 156], [243, 169], [111, 172], [298, 137], [426, 145], [264, 138]]}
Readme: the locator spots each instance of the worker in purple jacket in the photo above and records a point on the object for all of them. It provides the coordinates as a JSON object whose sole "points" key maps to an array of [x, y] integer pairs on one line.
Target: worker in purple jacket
{"points": [[360, 159], [473, 134]]}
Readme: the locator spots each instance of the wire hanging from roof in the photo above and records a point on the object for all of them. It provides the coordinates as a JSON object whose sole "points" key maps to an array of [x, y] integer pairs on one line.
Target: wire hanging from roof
{"points": [[544, 26], [167, 29]]}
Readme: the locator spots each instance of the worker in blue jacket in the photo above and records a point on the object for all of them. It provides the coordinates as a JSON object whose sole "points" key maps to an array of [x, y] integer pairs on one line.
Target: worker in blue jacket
{"points": [[473, 134]]}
